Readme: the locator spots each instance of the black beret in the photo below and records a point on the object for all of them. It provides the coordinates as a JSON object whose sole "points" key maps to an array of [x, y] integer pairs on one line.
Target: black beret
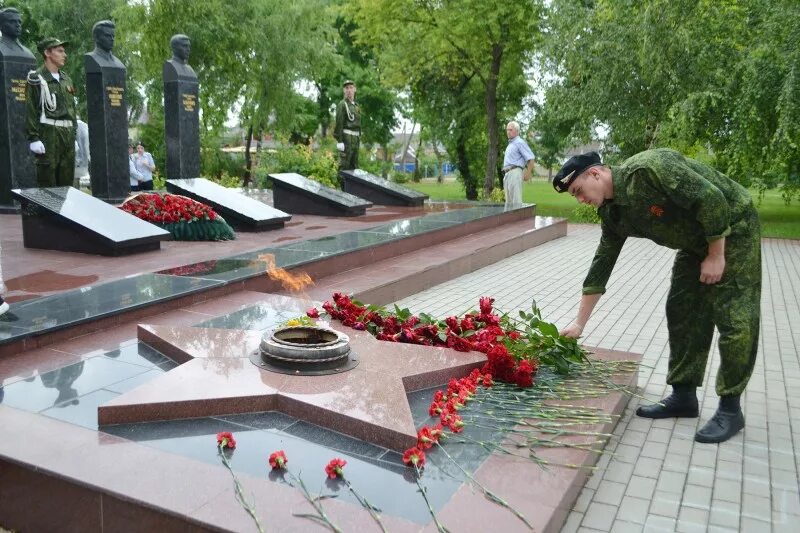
{"points": [[573, 168]]}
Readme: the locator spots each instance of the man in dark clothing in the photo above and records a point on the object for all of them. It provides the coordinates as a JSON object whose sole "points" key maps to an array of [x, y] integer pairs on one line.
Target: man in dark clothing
{"points": [[51, 120], [716, 278]]}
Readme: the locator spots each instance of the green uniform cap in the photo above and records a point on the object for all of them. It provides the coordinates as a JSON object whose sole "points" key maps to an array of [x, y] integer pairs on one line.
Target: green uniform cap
{"points": [[348, 82], [50, 42]]}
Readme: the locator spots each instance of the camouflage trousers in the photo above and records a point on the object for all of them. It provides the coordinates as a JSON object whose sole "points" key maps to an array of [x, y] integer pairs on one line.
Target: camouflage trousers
{"points": [[348, 159], [733, 305], [56, 167]]}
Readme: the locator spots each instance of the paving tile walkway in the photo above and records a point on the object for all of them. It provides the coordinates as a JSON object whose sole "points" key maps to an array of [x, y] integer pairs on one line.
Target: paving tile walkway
{"points": [[655, 477]]}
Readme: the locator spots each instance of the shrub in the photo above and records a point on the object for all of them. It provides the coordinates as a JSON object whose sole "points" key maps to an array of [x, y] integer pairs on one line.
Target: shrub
{"points": [[585, 213], [319, 166]]}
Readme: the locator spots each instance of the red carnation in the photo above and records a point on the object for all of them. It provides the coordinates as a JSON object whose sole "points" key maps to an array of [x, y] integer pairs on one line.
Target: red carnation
{"points": [[278, 460], [425, 439], [334, 468], [414, 457], [486, 304], [225, 440], [312, 313], [436, 408]]}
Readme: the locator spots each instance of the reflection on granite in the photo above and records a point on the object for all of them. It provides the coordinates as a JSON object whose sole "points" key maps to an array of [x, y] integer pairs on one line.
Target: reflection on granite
{"points": [[217, 377], [90, 303], [82, 411], [89, 212], [259, 317], [298, 182], [231, 203], [410, 227], [376, 471], [364, 176], [95, 302], [341, 243]]}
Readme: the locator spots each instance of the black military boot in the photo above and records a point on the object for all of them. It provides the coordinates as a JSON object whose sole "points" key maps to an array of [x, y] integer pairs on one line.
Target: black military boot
{"points": [[726, 422], [681, 403]]}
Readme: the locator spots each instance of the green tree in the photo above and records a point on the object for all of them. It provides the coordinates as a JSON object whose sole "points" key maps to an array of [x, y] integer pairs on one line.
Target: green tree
{"points": [[487, 43], [718, 79]]}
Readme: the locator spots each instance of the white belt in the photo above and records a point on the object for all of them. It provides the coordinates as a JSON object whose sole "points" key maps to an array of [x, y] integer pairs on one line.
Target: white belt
{"points": [[351, 132], [57, 123]]}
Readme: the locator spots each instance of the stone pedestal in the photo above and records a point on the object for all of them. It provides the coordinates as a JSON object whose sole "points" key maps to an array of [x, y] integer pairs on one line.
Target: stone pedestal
{"points": [[107, 111], [181, 120], [17, 169]]}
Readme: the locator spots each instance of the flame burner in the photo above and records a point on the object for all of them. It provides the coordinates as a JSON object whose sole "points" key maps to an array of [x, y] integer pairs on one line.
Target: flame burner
{"points": [[305, 350]]}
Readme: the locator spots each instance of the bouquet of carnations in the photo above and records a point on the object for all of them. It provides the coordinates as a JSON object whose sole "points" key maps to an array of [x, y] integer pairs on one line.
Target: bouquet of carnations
{"points": [[184, 218]]}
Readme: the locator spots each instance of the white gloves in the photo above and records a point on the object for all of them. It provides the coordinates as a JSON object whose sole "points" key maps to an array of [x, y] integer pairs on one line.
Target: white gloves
{"points": [[339, 146], [37, 147]]}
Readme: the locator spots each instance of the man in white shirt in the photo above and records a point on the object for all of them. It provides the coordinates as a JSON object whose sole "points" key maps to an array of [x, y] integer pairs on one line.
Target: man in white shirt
{"points": [[517, 165]]}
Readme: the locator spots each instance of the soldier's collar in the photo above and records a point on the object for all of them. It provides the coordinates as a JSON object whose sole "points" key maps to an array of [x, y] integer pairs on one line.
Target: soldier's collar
{"points": [[620, 191]]}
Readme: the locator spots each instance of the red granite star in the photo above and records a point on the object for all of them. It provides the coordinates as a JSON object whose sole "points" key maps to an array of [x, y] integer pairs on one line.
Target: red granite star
{"points": [[216, 377]]}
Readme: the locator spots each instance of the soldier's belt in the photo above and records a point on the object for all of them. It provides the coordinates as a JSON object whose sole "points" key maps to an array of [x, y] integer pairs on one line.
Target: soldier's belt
{"points": [[57, 123], [352, 132]]}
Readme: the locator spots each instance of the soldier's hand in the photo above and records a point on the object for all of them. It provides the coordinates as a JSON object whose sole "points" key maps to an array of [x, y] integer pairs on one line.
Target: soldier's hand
{"points": [[573, 330], [37, 147], [340, 147], [712, 268]]}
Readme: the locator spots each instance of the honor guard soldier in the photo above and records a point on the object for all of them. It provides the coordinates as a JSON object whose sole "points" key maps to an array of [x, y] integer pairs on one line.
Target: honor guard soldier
{"points": [[711, 221], [51, 120], [348, 128]]}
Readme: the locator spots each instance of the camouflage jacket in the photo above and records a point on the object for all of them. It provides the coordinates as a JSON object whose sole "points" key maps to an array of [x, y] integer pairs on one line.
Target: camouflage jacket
{"points": [[64, 92], [672, 200], [343, 121]]}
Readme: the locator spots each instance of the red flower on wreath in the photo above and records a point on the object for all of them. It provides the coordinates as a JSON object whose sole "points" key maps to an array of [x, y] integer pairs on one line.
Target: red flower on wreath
{"points": [[656, 210], [278, 460], [225, 440], [334, 468]]}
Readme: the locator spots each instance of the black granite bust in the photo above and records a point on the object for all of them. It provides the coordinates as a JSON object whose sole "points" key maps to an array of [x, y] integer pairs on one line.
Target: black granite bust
{"points": [[17, 169], [177, 67], [107, 109], [11, 29], [104, 33], [181, 112]]}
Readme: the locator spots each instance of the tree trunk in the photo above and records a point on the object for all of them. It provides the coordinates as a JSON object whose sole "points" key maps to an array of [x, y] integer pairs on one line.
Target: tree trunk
{"points": [[386, 159], [439, 166], [491, 119], [405, 146], [248, 161], [417, 171], [462, 161]]}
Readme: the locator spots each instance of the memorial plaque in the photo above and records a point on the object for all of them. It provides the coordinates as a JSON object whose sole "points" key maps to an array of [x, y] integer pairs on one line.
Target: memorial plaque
{"points": [[66, 219], [181, 113], [17, 168], [379, 190], [241, 212], [107, 110], [294, 193]]}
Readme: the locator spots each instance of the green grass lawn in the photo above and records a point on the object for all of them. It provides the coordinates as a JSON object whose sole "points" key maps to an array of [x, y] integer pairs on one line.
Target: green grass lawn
{"points": [[777, 220]]}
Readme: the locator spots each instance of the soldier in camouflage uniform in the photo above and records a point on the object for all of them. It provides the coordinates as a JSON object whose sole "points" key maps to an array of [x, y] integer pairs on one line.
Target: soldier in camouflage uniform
{"points": [[348, 128], [51, 121], [716, 279]]}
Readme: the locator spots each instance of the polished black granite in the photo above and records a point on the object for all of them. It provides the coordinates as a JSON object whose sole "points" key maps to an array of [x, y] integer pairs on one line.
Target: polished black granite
{"points": [[238, 210], [375, 472], [378, 190], [68, 308], [259, 317], [294, 193], [73, 394], [66, 219], [86, 304]]}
